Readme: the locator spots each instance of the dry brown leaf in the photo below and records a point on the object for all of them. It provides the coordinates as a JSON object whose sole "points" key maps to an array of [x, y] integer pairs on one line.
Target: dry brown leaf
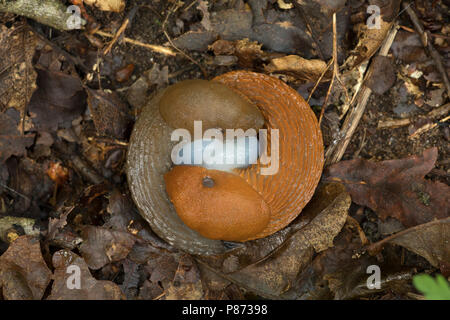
{"points": [[11, 141], [23, 272], [283, 5], [301, 68], [395, 188], [186, 284], [280, 33], [90, 288], [102, 246], [17, 75], [248, 51], [107, 5], [383, 76], [203, 7], [108, 112], [430, 240], [370, 39], [58, 100]]}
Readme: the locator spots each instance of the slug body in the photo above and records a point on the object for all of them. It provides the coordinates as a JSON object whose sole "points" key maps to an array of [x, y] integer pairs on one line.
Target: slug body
{"points": [[194, 207]]}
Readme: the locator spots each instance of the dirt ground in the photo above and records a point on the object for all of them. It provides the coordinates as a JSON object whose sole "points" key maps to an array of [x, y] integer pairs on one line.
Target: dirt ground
{"points": [[76, 190]]}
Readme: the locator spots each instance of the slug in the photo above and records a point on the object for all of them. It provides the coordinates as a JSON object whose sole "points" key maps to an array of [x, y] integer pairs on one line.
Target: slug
{"points": [[196, 207]]}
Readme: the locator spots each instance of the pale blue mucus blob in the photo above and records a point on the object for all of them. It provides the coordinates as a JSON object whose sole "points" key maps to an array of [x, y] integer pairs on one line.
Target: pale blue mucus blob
{"points": [[217, 154]]}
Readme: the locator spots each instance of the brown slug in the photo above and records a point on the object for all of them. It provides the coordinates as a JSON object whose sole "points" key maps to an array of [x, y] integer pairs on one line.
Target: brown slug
{"points": [[194, 208]]}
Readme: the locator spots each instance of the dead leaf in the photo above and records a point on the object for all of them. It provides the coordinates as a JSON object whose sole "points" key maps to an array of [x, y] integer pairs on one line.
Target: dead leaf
{"points": [[124, 73], [245, 51], [157, 76], [161, 270], [186, 284], [370, 39], [383, 76], [55, 224], [223, 47], [283, 5], [301, 68], [408, 48], [429, 240], [107, 5], [59, 99], [203, 7], [334, 273], [102, 246], [12, 143], [31, 184], [395, 188], [317, 16], [122, 212], [23, 272], [90, 288], [109, 113], [195, 40], [248, 52], [17, 75], [281, 33], [131, 279]]}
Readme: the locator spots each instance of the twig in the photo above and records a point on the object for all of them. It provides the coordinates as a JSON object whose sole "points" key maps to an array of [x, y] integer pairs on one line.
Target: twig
{"points": [[362, 236], [335, 72], [396, 123], [335, 151], [426, 127], [320, 79], [325, 102], [190, 5], [335, 69], [121, 30], [374, 248], [49, 12], [424, 37], [14, 191], [154, 47], [173, 9]]}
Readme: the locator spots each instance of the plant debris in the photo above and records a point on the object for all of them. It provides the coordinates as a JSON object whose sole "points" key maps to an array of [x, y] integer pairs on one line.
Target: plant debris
{"points": [[396, 188], [69, 98]]}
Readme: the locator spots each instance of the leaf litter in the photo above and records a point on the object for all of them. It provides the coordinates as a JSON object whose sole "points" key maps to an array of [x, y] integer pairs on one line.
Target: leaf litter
{"points": [[78, 126]]}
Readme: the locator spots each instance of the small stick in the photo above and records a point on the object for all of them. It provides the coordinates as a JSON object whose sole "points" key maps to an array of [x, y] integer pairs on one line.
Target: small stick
{"points": [[335, 152], [396, 123], [320, 79], [174, 8], [335, 71], [324, 106], [426, 127], [424, 37], [14, 191], [156, 48], [121, 30]]}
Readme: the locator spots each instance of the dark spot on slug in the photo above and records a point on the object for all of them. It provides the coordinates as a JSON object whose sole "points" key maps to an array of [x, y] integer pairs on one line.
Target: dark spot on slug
{"points": [[208, 182]]}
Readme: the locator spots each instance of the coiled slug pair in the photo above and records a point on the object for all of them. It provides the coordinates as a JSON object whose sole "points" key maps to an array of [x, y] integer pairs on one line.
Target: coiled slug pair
{"points": [[194, 208]]}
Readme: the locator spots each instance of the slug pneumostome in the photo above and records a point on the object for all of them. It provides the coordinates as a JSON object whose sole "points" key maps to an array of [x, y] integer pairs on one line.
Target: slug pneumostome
{"points": [[195, 207]]}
